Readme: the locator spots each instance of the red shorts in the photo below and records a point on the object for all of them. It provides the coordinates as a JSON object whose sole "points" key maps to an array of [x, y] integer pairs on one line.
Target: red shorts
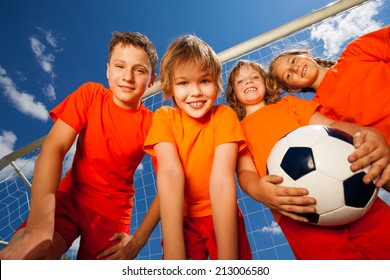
{"points": [[201, 243], [72, 221], [366, 238]]}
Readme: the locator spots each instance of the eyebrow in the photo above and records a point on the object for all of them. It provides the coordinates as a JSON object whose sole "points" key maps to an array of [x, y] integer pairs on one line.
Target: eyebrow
{"points": [[135, 65], [202, 76]]}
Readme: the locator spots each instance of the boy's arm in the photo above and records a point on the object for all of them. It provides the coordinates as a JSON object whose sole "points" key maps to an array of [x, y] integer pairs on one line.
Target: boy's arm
{"points": [[286, 200], [170, 185], [224, 200], [36, 240], [371, 149]]}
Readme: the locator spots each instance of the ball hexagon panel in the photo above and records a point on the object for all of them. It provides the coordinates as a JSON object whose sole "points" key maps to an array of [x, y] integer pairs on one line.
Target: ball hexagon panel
{"points": [[329, 192], [341, 216], [306, 136], [331, 157]]}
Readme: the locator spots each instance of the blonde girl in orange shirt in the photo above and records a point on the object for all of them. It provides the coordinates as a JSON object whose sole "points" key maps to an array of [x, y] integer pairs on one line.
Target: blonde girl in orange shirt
{"points": [[196, 146]]}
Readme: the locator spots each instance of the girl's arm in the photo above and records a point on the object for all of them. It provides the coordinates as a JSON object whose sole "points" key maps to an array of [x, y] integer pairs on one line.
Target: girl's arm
{"points": [[170, 186], [371, 149], [286, 200], [224, 200], [36, 240]]}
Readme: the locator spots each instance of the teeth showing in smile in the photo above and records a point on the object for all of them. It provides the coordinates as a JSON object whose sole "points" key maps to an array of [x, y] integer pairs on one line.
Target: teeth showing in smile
{"points": [[304, 71], [249, 90], [196, 105]]}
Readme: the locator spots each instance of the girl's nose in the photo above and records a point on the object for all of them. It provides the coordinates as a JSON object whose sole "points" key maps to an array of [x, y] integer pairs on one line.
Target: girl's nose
{"points": [[196, 91]]}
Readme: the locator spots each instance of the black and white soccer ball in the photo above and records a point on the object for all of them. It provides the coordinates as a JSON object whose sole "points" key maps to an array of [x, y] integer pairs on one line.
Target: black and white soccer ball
{"points": [[315, 157]]}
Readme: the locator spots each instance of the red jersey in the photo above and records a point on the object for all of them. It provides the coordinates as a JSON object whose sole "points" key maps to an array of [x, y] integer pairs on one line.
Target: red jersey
{"points": [[109, 150]]}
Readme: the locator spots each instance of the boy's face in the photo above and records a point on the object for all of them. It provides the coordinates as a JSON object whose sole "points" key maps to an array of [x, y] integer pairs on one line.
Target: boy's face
{"points": [[194, 90], [129, 74], [249, 86]]}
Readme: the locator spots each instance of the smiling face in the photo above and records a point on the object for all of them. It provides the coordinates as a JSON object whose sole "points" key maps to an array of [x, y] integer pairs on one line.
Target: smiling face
{"points": [[249, 87], [296, 71], [194, 90], [129, 74]]}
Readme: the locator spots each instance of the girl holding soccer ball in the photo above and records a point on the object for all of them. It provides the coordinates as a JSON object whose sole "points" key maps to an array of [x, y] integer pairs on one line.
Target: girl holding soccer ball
{"points": [[265, 118]]}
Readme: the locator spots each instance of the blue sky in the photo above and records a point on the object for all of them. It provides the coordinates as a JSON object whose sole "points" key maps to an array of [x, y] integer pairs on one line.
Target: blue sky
{"points": [[49, 48]]}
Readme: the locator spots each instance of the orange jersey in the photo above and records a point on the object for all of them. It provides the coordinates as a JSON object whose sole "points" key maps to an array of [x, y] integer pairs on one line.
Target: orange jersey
{"points": [[109, 150], [357, 88], [366, 238], [195, 142], [267, 125]]}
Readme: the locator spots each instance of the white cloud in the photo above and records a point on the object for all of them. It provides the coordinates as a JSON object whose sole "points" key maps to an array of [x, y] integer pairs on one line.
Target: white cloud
{"points": [[49, 37], [50, 92], [274, 228], [140, 168], [45, 60], [26, 165], [21, 76], [7, 142], [24, 102], [342, 28], [44, 53]]}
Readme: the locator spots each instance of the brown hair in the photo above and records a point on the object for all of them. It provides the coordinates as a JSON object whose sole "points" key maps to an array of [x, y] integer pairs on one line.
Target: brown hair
{"points": [[188, 48], [275, 84], [231, 98], [135, 39]]}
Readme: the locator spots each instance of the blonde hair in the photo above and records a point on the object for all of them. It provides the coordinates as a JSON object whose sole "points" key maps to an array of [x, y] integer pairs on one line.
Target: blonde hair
{"points": [[276, 85], [231, 98], [188, 49]]}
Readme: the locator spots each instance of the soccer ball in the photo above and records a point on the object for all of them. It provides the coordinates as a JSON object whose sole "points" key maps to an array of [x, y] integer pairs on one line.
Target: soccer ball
{"points": [[315, 157]]}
